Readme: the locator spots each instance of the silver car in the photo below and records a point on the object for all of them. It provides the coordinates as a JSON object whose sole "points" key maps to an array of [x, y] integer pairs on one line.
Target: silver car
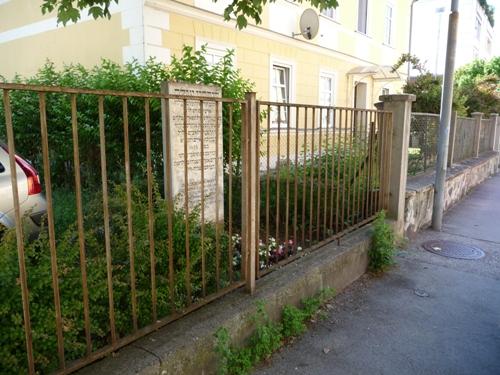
{"points": [[32, 202]]}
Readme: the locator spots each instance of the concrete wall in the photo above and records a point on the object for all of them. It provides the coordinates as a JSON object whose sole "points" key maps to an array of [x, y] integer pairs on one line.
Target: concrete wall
{"points": [[186, 346], [459, 181]]}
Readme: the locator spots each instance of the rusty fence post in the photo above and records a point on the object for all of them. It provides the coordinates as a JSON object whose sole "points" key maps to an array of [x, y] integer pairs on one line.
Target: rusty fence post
{"points": [[451, 144], [478, 117], [250, 193]]}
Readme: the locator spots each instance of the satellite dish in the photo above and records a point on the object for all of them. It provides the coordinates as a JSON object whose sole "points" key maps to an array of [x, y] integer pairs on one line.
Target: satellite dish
{"points": [[309, 24]]}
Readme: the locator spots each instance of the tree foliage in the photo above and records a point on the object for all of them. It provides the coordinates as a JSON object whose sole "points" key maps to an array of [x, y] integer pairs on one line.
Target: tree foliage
{"points": [[479, 84], [489, 11], [241, 10]]}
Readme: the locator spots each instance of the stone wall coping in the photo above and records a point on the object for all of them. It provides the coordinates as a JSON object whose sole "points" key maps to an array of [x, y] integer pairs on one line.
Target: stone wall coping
{"points": [[397, 98], [426, 181]]}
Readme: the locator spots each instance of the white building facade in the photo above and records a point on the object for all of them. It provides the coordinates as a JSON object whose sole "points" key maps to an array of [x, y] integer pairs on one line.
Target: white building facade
{"points": [[430, 28]]}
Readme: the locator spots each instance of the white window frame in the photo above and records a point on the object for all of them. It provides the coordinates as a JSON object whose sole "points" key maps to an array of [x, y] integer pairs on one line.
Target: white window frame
{"points": [[331, 13], [389, 24], [333, 95], [290, 65], [216, 49], [365, 32], [478, 22]]}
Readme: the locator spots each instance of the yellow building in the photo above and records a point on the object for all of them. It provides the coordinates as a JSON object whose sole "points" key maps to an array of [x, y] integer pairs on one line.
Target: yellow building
{"points": [[346, 64]]}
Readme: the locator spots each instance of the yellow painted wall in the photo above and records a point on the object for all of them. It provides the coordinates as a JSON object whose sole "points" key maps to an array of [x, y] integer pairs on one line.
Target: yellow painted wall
{"points": [[85, 43]]}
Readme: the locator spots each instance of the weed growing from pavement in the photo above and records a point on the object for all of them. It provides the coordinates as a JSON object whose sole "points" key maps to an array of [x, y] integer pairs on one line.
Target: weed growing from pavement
{"points": [[268, 335], [381, 253]]}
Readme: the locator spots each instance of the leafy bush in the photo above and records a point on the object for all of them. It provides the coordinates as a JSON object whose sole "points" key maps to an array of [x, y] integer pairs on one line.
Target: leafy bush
{"points": [[191, 67], [478, 83], [12, 344], [267, 337], [381, 252]]}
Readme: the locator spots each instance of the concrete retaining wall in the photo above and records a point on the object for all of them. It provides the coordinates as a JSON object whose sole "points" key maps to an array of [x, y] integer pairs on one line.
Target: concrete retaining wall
{"points": [[460, 179], [187, 345]]}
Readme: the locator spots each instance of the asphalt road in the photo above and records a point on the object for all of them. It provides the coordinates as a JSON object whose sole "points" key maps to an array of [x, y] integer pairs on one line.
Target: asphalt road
{"points": [[427, 315]]}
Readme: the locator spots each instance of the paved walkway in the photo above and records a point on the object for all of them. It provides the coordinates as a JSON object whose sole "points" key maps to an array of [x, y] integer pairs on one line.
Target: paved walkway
{"points": [[427, 315]]}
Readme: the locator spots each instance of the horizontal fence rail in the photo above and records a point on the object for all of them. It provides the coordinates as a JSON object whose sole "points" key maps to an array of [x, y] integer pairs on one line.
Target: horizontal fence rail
{"points": [[321, 175], [120, 253]]}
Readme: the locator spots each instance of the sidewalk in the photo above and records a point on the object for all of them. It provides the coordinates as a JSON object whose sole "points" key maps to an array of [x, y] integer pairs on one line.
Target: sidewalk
{"points": [[428, 315]]}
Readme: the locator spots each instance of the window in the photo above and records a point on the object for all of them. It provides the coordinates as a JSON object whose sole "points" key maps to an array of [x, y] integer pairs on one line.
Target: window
{"points": [[477, 27], [330, 13], [280, 92], [327, 96], [389, 13], [214, 52], [362, 15], [385, 91]]}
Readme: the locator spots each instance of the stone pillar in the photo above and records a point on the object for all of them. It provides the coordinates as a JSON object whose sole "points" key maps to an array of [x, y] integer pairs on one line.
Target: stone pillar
{"points": [[496, 132], [400, 106], [478, 117]]}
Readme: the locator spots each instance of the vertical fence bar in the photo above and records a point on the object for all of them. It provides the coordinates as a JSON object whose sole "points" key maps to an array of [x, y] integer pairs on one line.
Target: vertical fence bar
{"points": [[287, 192], [356, 164], [304, 178], [255, 137], [217, 198], [202, 203], [337, 203], [296, 181], [19, 234], [79, 215], [151, 237], [131, 249], [311, 186], [268, 186], [170, 203], [50, 224], [334, 153], [327, 151], [344, 154], [361, 169], [186, 205], [277, 176], [351, 136], [230, 193], [370, 170], [318, 204], [451, 143], [364, 172], [250, 183], [105, 204]]}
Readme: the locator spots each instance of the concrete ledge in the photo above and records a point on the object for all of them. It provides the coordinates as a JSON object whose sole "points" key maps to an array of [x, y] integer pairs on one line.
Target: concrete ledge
{"points": [[460, 179], [186, 346]]}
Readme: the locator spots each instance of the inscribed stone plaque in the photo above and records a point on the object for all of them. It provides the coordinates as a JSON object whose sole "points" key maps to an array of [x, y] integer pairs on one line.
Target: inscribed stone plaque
{"points": [[212, 149]]}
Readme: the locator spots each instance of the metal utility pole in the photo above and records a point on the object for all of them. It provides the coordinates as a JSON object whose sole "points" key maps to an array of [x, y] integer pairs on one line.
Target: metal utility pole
{"points": [[409, 41], [444, 119]]}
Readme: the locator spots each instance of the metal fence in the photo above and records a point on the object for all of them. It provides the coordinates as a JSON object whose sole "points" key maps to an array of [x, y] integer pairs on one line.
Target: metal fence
{"points": [[131, 258], [323, 172], [463, 145], [136, 236], [422, 152], [469, 137]]}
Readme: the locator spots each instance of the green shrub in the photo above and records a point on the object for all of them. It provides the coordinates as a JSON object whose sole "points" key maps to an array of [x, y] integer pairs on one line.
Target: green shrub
{"points": [[191, 67], [381, 253], [293, 321], [38, 266]]}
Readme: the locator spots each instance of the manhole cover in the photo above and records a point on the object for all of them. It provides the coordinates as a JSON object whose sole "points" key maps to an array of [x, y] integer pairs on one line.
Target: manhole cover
{"points": [[452, 249]]}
